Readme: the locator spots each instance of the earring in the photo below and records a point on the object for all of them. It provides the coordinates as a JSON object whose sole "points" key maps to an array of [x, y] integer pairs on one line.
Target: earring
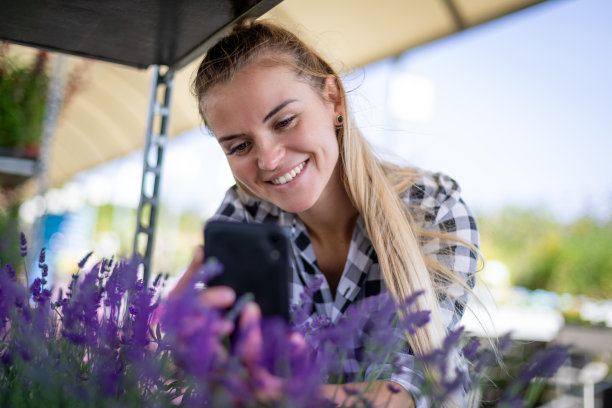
{"points": [[339, 120]]}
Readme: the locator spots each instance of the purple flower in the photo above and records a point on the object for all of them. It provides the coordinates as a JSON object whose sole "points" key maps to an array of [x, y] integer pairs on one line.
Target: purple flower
{"points": [[542, 365], [451, 378], [301, 311], [367, 329], [410, 300], [80, 315], [211, 270], [121, 279], [106, 316], [470, 349], [157, 280], [393, 389], [106, 266], [142, 307], [350, 391], [41, 257], [36, 287], [23, 245], [10, 272], [504, 342], [415, 320], [191, 334], [12, 295], [83, 261]]}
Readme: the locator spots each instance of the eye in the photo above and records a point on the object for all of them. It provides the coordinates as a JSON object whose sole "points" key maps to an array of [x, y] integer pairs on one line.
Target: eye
{"points": [[240, 148], [285, 122]]}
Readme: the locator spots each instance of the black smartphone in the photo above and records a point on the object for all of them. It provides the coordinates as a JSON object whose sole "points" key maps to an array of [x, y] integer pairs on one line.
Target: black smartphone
{"points": [[255, 259]]}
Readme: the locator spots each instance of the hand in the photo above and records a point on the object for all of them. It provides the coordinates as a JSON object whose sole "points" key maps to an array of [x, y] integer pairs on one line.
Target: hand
{"points": [[379, 393], [249, 347], [196, 264], [268, 387], [220, 297]]}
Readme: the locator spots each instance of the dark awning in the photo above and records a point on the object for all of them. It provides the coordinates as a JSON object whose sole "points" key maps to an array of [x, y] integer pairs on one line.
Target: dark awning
{"points": [[137, 33]]}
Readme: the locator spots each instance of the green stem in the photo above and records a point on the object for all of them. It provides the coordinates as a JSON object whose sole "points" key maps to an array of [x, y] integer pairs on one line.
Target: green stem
{"points": [[25, 269]]}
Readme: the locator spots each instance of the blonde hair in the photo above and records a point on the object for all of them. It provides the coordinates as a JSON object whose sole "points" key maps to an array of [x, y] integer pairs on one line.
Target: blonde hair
{"points": [[374, 186]]}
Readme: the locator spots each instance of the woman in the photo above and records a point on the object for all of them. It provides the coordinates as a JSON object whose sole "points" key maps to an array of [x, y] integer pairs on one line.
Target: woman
{"points": [[279, 113]]}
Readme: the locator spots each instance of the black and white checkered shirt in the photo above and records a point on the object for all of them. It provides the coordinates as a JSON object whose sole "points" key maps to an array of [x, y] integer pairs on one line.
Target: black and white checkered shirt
{"points": [[435, 204]]}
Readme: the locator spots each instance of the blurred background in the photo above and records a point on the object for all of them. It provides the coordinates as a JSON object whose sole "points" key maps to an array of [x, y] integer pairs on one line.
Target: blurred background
{"points": [[517, 110]]}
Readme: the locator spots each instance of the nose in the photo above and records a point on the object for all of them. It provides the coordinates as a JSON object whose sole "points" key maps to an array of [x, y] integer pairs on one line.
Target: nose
{"points": [[270, 155]]}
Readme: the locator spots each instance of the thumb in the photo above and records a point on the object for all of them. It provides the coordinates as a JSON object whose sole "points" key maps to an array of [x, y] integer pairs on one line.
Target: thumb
{"points": [[197, 262]]}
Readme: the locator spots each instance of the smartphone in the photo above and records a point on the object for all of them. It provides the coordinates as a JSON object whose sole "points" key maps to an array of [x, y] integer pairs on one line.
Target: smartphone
{"points": [[255, 259]]}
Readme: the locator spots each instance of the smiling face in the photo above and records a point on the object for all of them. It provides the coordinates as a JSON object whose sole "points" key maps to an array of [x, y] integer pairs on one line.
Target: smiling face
{"points": [[278, 134]]}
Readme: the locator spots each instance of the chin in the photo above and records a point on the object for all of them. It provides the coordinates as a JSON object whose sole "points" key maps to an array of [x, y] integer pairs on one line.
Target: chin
{"points": [[294, 207]]}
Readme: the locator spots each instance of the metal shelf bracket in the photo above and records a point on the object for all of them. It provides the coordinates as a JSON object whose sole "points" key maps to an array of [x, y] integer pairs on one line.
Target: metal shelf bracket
{"points": [[155, 141]]}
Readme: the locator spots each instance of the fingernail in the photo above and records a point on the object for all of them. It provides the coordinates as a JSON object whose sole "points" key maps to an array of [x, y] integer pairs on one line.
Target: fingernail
{"points": [[226, 294], [252, 309]]}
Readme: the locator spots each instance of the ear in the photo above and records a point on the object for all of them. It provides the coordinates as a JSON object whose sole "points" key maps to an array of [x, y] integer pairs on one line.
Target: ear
{"points": [[332, 94]]}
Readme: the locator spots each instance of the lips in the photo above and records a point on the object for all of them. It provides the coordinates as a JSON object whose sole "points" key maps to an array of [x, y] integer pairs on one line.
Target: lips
{"points": [[290, 175]]}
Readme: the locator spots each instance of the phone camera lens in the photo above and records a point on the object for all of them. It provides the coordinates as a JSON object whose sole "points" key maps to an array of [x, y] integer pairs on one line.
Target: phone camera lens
{"points": [[275, 255]]}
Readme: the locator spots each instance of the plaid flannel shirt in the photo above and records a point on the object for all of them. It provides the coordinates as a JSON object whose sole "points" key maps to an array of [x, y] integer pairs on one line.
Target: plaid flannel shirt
{"points": [[435, 205]]}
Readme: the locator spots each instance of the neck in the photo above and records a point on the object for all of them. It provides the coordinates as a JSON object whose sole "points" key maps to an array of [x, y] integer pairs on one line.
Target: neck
{"points": [[333, 217]]}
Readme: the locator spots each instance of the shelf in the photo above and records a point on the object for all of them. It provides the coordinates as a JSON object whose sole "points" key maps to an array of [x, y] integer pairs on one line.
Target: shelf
{"points": [[15, 171], [18, 166]]}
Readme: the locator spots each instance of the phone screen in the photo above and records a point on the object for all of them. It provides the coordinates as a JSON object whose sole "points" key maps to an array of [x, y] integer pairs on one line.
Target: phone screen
{"points": [[255, 259]]}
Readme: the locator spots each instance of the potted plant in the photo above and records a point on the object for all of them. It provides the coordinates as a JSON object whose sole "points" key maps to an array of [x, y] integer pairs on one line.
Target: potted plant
{"points": [[23, 88]]}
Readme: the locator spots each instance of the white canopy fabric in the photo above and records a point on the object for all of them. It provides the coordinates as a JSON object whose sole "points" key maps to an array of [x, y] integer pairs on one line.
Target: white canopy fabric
{"points": [[106, 119]]}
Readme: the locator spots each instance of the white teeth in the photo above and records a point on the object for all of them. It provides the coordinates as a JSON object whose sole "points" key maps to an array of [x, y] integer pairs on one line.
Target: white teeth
{"points": [[290, 175]]}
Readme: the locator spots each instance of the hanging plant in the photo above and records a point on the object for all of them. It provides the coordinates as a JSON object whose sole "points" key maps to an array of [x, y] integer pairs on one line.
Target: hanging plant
{"points": [[23, 90]]}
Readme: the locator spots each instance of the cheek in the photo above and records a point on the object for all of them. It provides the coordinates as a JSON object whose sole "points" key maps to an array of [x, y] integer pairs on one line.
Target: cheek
{"points": [[242, 171], [330, 143]]}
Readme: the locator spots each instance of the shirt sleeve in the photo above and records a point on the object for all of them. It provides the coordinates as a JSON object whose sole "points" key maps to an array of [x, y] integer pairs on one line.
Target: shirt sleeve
{"points": [[408, 376], [444, 211]]}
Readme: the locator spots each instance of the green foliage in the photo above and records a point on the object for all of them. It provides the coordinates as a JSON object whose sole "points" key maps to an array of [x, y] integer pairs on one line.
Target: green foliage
{"points": [[579, 262], [9, 231], [22, 101], [542, 253]]}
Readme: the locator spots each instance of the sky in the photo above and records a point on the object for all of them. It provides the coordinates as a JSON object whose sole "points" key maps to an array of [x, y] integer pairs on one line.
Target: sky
{"points": [[518, 111]]}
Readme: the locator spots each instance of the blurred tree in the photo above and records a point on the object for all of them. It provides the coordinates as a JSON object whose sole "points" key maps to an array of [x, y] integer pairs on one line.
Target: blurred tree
{"points": [[513, 235], [542, 253]]}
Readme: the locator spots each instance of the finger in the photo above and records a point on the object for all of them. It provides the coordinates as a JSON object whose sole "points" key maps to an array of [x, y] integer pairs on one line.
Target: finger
{"points": [[269, 387], [297, 341], [251, 339], [225, 327], [215, 326], [197, 261], [219, 297]]}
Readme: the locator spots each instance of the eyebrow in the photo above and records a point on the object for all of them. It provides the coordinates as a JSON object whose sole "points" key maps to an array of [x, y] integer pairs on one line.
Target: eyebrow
{"points": [[279, 107], [230, 137], [265, 119]]}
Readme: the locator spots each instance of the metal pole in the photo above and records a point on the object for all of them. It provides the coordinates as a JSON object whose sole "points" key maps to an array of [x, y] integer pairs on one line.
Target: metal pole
{"points": [[155, 142]]}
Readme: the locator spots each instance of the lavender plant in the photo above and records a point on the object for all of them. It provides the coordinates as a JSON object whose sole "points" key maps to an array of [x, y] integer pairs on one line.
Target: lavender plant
{"points": [[110, 340]]}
